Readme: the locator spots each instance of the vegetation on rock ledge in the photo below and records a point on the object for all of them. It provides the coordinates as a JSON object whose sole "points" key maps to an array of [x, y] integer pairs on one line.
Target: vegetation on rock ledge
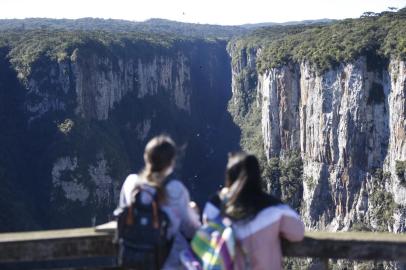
{"points": [[382, 35]]}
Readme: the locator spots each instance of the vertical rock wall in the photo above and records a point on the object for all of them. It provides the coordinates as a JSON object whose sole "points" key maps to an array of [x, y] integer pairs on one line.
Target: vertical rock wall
{"points": [[348, 123]]}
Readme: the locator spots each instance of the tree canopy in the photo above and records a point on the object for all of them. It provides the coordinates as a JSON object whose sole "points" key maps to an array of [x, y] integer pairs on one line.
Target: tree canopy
{"points": [[326, 45]]}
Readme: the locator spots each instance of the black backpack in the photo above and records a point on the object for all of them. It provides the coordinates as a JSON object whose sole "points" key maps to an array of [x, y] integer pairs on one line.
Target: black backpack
{"points": [[142, 233]]}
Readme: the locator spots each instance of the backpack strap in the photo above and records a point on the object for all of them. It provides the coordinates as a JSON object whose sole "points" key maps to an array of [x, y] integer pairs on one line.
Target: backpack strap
{"points": [[155, 205], [136, 191], [221, 201]]}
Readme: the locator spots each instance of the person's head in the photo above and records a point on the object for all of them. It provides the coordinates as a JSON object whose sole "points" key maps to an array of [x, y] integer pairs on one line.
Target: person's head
{"points": [[242, 166], [159, 157], [243, 179]]}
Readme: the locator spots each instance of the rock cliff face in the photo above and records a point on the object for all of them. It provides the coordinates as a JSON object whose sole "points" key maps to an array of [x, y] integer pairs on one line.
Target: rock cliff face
{"points": [[348, 124], [90, 113], [99, 82], [109, 80], [76, 118]]}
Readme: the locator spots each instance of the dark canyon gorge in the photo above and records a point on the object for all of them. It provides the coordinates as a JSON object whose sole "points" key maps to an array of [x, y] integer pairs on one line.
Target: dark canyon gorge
{"points": [[323, 106]]}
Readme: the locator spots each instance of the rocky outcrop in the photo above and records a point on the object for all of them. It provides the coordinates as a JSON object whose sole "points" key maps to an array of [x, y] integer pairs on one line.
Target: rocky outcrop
{"points": [[99, 82], [75, 187], [349, 125], [92, 83], [39, 99], [99, 86], [72, 189]]}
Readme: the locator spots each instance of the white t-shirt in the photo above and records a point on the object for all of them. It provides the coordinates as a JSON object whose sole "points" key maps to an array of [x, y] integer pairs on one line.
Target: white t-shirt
{"points": [[183, 220]]}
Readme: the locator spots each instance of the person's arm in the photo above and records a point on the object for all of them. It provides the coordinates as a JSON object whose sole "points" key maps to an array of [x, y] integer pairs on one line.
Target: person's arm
{"points": [[125, 193], [291, 226], [211, 209], [190, 219]]}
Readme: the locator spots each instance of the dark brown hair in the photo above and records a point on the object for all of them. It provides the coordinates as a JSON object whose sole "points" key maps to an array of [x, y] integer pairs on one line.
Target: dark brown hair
{"points": [[245, 198], [159, 154]]}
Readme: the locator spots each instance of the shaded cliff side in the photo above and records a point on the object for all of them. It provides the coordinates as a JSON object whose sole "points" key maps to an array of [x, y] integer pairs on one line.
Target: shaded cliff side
{"points": [[86, 104]]}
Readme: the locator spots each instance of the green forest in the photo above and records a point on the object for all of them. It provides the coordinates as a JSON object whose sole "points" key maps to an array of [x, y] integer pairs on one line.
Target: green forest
{"points": [[326, 45]]}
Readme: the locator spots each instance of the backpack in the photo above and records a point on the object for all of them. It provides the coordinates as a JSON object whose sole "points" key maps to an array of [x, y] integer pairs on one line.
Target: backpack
{"points": [[212, 248], [142, 233]]}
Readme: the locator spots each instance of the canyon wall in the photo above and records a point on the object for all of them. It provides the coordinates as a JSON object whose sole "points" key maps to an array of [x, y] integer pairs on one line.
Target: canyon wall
{"points": [[348, 125], [89, 113]]}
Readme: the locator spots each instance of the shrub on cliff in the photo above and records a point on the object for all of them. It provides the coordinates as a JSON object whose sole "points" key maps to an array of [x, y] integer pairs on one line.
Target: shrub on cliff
{"points": [[291, 179], [381, 202], [400, 172]]}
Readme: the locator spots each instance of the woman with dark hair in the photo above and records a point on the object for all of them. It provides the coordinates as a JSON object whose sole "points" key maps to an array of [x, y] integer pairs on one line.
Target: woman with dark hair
{"points": [[172, 196], [259, 219]]}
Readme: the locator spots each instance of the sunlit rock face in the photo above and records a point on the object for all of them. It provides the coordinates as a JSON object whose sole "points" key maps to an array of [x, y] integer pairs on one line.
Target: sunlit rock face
{"points": [[279, 92], [348, 124], [397, 125], [101, 82]]}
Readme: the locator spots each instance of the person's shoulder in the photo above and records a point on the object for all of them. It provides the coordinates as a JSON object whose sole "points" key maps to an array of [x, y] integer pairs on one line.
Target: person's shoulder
{"points": [[280, 209], [273, 213], [175, 188], [268, 217], [175, 184], [131, 181], [131, 178]]}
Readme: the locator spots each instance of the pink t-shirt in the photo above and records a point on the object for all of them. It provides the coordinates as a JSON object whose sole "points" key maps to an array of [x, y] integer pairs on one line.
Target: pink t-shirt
{"points": [[260, 237]]}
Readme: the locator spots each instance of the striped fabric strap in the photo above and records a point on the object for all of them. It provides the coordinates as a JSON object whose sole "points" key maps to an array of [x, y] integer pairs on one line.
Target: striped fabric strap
{"points": [[214, 244]]}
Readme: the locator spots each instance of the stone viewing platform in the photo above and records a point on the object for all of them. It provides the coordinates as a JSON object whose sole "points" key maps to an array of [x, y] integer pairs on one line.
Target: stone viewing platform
{"points": [[93, 248]]}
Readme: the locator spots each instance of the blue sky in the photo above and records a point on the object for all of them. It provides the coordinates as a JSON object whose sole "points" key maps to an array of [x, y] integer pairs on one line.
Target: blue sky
{"points": [[226, 12]]}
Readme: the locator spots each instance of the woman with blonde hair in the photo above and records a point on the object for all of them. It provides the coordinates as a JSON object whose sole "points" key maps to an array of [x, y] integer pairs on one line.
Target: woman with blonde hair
{"points": [[172, 196]]}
